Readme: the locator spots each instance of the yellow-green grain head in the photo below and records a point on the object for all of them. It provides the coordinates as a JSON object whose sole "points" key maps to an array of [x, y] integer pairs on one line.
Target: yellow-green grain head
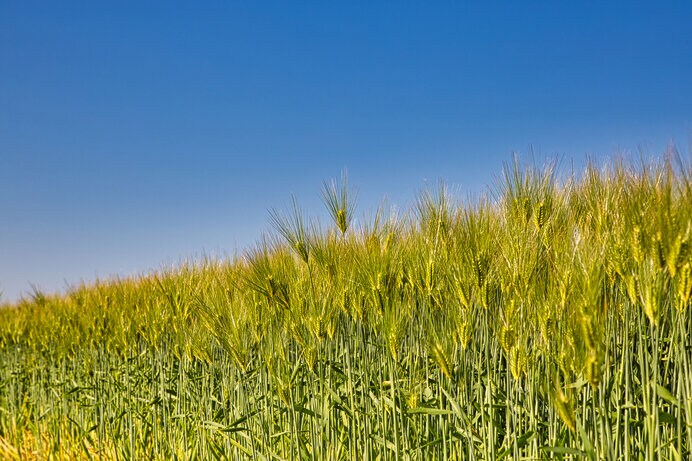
{"points": [[637, 245], [684, 285]]}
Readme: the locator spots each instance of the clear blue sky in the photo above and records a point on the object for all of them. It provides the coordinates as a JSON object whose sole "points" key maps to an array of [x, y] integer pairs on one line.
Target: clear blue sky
{"points": [[134, 134]]}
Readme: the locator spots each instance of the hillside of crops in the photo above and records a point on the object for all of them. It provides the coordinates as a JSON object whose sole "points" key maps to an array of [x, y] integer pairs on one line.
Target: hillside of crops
{"points": [[548, 319]]}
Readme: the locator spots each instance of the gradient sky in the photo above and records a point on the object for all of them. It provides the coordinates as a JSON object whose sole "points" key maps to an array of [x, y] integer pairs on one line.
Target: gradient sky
{"points": [[137, 134]]}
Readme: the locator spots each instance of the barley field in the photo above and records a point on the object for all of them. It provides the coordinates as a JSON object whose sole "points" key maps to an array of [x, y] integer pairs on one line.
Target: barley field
{"points": [[549, 319]]}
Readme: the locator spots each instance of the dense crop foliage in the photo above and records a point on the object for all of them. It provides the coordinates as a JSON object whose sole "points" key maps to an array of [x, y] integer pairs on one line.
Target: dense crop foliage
{"points": [[551, 320]]}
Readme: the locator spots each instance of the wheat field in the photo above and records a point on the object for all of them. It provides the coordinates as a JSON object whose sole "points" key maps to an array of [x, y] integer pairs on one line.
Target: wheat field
{"points": [[548, 319]]}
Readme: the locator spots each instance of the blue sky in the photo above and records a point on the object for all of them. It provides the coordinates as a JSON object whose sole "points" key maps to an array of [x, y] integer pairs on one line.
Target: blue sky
{"points": [[137, 134]]}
